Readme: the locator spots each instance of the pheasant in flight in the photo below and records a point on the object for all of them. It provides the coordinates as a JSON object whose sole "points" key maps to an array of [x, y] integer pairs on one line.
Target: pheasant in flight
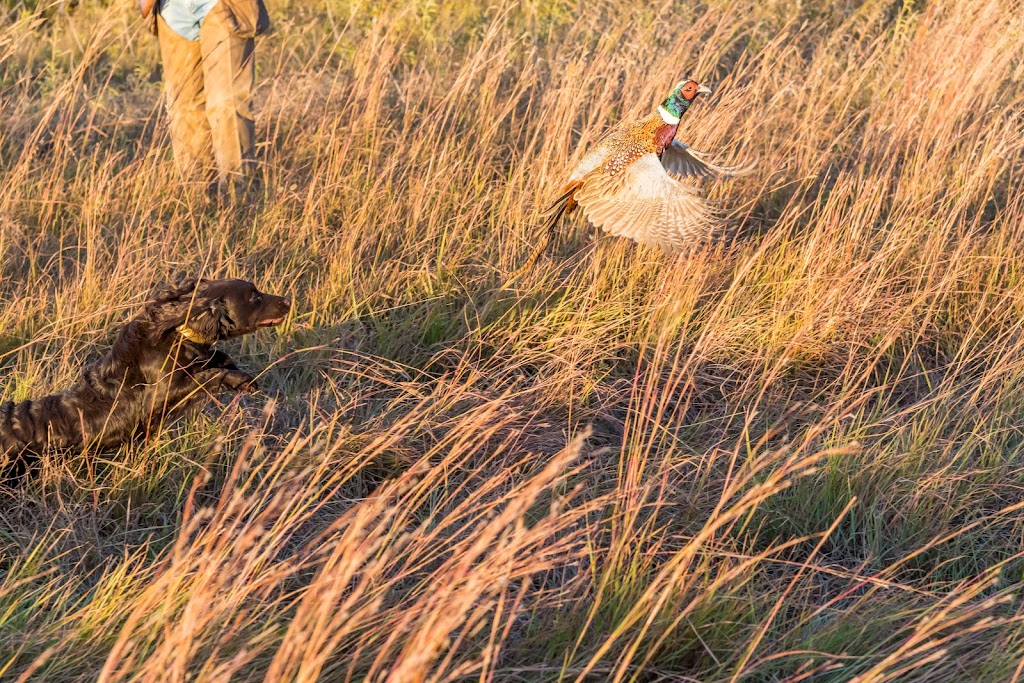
{"points": [[624, 186]]}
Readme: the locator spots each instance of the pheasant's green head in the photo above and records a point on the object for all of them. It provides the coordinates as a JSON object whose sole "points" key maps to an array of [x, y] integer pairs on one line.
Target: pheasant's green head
{"points": [[681, 97]]}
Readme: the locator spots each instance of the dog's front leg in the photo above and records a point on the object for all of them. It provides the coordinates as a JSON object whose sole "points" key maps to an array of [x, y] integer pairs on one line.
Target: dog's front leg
{"points": [[221, 371]]}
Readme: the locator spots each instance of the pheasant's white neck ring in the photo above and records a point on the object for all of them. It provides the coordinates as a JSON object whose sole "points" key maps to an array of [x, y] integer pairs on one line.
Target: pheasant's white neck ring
{"points": [[667, 116]]}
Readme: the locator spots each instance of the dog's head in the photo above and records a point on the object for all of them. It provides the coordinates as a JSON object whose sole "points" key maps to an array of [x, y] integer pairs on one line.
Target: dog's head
{"points": [[209, 311]]}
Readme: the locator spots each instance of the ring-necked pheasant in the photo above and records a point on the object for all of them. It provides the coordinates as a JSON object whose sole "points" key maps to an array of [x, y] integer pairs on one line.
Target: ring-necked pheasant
{"points": [[624, 186]]}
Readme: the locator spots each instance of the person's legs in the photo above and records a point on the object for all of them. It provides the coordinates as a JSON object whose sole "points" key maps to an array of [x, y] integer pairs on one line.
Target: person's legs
{"points": [[229, 73], [185, 100]]}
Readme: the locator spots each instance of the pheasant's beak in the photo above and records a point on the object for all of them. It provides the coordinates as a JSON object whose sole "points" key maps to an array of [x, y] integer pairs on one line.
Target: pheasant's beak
{"points": [[703, 90]]}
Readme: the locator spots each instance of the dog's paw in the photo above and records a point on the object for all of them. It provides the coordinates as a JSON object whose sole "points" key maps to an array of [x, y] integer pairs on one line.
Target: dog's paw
{"points": [[237, 380]]}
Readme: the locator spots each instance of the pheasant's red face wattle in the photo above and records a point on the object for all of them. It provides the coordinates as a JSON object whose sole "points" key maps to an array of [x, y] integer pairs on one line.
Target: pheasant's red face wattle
{"points": [[689, 90]]}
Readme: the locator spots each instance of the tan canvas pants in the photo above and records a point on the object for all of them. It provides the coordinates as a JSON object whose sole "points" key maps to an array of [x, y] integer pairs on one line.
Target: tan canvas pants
{"points": [[208, 88]]}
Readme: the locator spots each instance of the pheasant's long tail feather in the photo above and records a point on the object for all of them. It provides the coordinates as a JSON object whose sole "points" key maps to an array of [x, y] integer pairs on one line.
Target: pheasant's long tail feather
{"points": [[561, 206], [565, 204]]}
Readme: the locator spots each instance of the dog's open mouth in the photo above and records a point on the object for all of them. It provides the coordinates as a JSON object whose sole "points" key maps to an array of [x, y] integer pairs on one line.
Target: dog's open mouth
{"points": [[271, 322]]}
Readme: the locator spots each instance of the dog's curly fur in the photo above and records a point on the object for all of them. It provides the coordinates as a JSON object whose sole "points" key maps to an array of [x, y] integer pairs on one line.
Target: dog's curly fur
{"points": [[162, 362]]}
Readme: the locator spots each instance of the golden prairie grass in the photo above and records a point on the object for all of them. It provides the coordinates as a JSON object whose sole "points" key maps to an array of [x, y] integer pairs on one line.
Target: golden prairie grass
{"points": [[793, 457]]}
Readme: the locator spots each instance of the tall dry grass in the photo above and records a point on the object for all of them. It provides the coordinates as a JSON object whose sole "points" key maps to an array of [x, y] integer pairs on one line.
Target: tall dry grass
{"points": [[794, 457]]}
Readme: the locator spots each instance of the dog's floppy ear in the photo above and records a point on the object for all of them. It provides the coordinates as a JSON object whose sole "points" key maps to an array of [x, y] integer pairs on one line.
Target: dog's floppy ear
{"points": [[208, 321], [170, 306]]}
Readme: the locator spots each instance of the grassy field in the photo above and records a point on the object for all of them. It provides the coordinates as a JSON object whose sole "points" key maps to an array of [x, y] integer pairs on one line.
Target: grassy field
{"points": [[796, 456]]}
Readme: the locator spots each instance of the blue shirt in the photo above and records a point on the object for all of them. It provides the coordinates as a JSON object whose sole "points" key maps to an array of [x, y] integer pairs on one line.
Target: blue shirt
{"points": [[184, 17]]}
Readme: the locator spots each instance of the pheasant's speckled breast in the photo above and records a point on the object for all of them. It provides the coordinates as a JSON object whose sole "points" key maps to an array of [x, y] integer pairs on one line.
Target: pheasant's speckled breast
{"points": [[629, 143]]}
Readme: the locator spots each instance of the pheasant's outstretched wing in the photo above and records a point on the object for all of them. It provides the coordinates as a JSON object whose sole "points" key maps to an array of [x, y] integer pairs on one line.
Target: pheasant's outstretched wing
{"points": [[566, 203], [644, 203], [593, 159], [685, 161]]}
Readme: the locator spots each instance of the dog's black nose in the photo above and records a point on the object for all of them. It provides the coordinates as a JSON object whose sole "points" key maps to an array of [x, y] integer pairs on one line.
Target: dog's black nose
{"points": [[286, 303]]}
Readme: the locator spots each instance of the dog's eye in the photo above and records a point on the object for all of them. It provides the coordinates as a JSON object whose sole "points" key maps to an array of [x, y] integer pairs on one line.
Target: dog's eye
{"points": [[255, 297]]}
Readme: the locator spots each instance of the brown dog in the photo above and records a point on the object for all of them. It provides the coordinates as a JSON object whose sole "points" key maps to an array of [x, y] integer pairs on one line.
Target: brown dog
{"points": [[161, 363]]}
